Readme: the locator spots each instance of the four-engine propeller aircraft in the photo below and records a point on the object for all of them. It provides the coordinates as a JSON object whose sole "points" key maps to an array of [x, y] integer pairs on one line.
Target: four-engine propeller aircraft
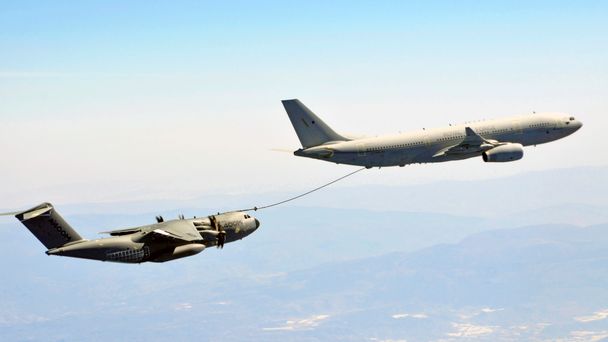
{"points": [[500, 140], [159, 242]]}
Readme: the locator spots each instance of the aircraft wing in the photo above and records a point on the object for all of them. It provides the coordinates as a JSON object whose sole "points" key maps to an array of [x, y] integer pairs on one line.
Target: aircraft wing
{"points": [[173, 230], [472, 143], [177, 230], [123, 231]]}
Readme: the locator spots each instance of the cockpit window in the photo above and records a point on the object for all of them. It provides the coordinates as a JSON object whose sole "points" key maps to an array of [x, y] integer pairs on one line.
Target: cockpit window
{"points": [[572, 118]]}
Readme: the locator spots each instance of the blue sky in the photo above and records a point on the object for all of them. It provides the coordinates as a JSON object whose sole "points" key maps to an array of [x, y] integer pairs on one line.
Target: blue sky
{"points": [[184, 97]]}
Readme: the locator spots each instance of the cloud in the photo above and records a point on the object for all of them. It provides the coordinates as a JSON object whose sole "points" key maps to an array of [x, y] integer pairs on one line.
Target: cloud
{"points": [[586, 336], [469, 314], [183, 307], [407, 315], [11, 319], [300, 324], [598, 315], [470, 330]]}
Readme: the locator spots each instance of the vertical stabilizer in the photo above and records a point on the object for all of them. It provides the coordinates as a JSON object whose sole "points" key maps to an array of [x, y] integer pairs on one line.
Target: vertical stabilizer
{"points": [[48, 226], [311, 130]]}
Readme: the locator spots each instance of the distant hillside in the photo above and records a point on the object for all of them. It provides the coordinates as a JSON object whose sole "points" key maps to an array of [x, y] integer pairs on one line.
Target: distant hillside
{"points": [[431, 262], [543, 282], [533, 283], [489, 197]]}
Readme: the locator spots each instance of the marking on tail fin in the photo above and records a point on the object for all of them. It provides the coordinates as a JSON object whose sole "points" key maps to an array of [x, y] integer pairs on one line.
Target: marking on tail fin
{"points": [[60, 230]]}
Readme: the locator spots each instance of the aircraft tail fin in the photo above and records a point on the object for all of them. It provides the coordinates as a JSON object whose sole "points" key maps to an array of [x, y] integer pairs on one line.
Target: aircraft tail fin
{"points": [[311, 130], [48, 226]]}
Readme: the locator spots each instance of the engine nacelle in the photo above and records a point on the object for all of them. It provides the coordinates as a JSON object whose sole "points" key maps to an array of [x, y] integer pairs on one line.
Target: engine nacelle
{"points": [[209, 235], [503, 153], [180, 252]]}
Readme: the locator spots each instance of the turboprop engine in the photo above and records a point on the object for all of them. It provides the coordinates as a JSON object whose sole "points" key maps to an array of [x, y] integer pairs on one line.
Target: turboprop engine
{"points": [[503, 153]]}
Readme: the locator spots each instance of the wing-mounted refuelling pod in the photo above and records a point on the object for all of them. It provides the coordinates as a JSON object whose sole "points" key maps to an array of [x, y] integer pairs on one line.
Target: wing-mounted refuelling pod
{"points": [[48, 226]]}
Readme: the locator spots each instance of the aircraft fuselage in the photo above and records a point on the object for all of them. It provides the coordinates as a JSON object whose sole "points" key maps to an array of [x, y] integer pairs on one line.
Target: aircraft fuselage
{"points": [[425, 146]]}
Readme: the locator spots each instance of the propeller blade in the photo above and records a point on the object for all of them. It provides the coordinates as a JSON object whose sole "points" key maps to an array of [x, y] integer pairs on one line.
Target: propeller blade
{"points": [[221, 239]]}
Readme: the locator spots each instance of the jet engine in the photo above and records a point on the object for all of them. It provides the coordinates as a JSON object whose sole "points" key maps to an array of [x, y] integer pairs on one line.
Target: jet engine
{"points": [[503, 153]]}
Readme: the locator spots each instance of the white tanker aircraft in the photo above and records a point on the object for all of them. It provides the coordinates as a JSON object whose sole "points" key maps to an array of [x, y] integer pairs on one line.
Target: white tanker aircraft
{"points": [[499, 140]]}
